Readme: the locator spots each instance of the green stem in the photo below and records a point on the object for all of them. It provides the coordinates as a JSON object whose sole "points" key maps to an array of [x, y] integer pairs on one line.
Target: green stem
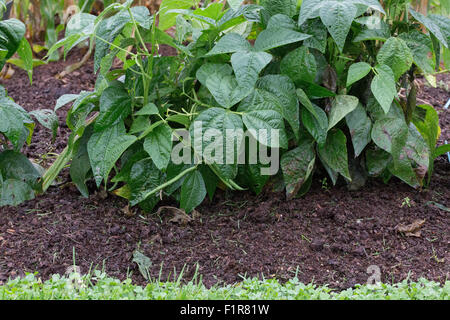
{"points": [[168, 183]]}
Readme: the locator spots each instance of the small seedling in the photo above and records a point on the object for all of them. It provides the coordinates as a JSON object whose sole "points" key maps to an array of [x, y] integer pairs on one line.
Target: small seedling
{"points": [[406, 202]]}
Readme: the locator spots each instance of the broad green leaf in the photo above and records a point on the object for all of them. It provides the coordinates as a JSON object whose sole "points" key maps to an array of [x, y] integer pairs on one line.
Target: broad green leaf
{"points": [[357, 71], [48, 119], [341, 106], [383, 87], [235, 4], [304, 100], [212, 141], [248, 65], [299, 65], [76, 120], [360, 128], [232, 18], [315, 91], [14, 192], [83, 98], [163, 38], [267, 127], [105, 148], [395, 54], [166, 19], [432, 26], [421, 46], [80, 165], [281, 21], [376, 112], [417, 150], [338, 18], [377, 161], [11, 33], [334, 175], [15, 166], [387, 132], [251, 173], [179, 118], [277, 37], [128, 159], [334, 153], [158, 144], [317, 125], [13, 122], [426, 120], [297, 166], [225, 89], [148, 110], [209, 68], [260, 99], [286, 7], [319, 33], [144, 177], [18, 179], [65, 99], [199, 20], [407, 148], [380, 31], [115, 106], [193, 191], [211, 180], [26, 55], [80, 23], [230, 43], [311, 8], [441, 150], [79, 28], [442, 22], [402, 169], [284, 89], [67, 42], [214, 10]]}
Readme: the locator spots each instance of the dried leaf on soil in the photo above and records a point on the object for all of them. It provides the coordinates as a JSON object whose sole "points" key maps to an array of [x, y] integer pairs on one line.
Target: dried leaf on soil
{"points": [[411, 230], [178, 215]]}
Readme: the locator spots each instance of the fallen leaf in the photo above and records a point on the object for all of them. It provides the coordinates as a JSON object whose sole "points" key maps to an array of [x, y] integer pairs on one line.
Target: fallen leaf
{"points": [[178, 215], [411, 230]]}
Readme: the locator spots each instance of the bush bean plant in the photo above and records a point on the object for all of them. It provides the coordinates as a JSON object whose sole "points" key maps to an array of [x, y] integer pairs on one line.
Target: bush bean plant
{"points": [[335, 79], [20, 179]]}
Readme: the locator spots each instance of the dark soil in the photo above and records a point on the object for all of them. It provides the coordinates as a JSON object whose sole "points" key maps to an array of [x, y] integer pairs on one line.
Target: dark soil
{"points": [[331, 236]]}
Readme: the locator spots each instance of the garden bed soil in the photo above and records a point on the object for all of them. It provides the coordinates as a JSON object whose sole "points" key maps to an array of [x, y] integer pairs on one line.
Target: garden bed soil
{"points": [[330, 236]]}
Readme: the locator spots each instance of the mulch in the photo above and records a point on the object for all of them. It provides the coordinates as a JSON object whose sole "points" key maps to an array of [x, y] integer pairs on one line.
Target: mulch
{"points": [[330, 236]]}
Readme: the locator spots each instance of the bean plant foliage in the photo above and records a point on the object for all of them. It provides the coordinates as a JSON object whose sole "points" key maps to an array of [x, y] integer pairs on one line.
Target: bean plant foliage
{"points": [[335, 79], [19, 177]]}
